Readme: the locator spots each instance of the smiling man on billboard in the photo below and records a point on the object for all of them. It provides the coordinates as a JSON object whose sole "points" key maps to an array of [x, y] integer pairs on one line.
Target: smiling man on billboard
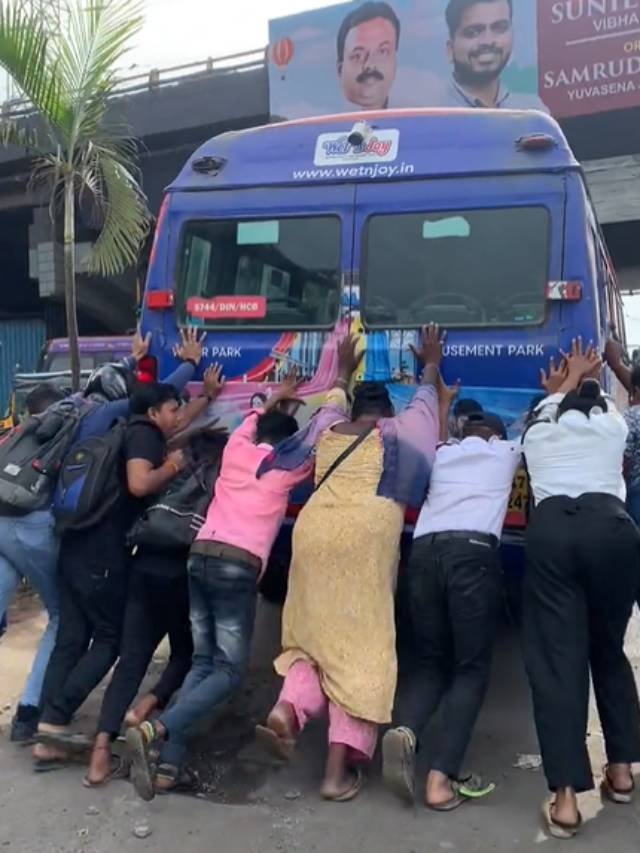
{"points": [[480, 47], [367, 46]]}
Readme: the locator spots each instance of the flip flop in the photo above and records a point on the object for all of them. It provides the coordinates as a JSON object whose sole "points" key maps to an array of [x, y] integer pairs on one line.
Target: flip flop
{"points": [[65, 740], [351, 792], [141, 768], [399, 763], [120, 769], [271, 742], [620, 796], [184, 781], [469, 788], [557, 829], [48, 765]]}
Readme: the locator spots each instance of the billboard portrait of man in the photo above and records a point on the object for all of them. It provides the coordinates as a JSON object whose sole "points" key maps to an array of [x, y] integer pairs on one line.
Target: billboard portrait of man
{"points": [[480, 47], [367, 54]]}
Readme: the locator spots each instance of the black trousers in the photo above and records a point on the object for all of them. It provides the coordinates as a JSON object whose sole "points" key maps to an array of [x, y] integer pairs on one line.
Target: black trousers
{"points": [[92, 603], [581, 579], [156, 606], [455, 594]]}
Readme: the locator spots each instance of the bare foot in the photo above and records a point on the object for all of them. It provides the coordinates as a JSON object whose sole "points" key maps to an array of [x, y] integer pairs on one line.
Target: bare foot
{"points": [[42, 752], [620, 777], [565, 807], [47, 728], [341, 782], [141, 711], [100, 766], [278, 737], [438, 790]]}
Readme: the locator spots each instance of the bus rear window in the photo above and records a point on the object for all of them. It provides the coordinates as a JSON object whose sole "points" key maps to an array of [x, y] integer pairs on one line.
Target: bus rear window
{"points": [[457, 268], [277, 273]]}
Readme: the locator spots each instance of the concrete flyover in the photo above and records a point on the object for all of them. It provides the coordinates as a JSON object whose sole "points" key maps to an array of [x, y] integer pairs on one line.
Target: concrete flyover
{"points": [[173, 110]]}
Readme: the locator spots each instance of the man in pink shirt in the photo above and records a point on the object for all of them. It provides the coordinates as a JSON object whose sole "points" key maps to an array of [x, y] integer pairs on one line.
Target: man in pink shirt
{"points": [[225, 564]]}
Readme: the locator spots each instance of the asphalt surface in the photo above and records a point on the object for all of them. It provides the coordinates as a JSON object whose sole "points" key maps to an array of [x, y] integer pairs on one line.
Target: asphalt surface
{"points": [[247, 804]]}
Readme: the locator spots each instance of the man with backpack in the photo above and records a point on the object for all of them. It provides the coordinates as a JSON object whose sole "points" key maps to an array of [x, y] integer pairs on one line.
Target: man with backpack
{"points": [[158, 596], [92, 566], [29, 551], [225, 564]]}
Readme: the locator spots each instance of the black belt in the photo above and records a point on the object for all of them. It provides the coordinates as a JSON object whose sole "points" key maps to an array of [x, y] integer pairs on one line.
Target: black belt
{"points": [[488, 540], [207, 548]]}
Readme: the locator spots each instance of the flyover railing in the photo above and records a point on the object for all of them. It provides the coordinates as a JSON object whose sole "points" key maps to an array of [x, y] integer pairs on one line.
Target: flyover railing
{"points": [[162, 78]]}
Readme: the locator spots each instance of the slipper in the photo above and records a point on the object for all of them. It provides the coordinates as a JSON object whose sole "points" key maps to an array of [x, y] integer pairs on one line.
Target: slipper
{"points": [[469, 788], [141, 768], [620, 796], [399, 763], [554, 827], [65, 740], [350, 793], [184, 781], [120, 769], [48, 765], [272, 743]]}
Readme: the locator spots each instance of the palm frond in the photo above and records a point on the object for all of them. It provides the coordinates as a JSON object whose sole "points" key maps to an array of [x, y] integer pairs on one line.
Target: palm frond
{"points": [[98, 37], [110, 176], [25, 54]]}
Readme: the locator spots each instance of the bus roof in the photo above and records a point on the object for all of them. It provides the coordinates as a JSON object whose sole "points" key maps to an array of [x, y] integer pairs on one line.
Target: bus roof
{"points": [[400, 143]]}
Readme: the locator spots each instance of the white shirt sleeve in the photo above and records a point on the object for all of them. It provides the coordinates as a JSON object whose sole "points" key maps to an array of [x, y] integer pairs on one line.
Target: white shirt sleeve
{"points": [[547, 409]]}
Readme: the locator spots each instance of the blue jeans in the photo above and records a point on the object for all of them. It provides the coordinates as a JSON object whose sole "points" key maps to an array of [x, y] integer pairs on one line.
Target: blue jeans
{"points": [[223, 597], [29, 551]]}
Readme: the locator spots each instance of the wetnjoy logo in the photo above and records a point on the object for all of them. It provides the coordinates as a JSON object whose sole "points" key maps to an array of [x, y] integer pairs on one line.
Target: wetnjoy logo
{"points": [[334, 148]]}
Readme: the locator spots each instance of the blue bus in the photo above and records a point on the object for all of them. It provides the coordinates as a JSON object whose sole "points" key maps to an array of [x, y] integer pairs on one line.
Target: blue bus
{"points": [[278, 239]]}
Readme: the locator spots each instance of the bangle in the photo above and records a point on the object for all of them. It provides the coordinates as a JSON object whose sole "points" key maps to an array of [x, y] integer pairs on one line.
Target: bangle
{"points": [[170, 464]]}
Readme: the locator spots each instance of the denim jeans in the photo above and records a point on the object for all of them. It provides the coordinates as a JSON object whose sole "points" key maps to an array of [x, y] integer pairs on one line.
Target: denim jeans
{"points": [[29, 550], [223, 598]]}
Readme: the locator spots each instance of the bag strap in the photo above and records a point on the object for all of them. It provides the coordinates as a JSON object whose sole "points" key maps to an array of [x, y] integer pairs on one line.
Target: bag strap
{"points": [[345, 455]]}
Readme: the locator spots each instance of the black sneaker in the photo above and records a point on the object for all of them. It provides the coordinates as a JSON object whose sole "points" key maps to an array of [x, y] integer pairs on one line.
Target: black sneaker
{"points": [[24, 724]]}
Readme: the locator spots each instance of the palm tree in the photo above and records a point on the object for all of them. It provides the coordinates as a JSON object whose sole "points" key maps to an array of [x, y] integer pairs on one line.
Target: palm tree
{"points": [[84, 159]]}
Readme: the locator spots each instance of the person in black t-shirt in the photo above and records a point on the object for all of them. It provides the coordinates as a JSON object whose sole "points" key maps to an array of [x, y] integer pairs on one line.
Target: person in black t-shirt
{"points": [[157, 605], [97, 577]]}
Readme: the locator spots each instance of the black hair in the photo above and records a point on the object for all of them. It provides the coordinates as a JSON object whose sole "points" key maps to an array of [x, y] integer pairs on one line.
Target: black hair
{"points": [[635, 377], [152, 395], [456, 9], [371, 398], [42, 396], [274, 427], [587, 397], [466, 406], [368, 11]]}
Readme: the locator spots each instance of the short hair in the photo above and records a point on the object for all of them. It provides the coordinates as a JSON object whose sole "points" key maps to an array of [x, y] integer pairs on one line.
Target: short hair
{"points": [[466, 406], [371, 398], [456, 9], [152, 395], [42, 396], [274, 426], [368, 11]]}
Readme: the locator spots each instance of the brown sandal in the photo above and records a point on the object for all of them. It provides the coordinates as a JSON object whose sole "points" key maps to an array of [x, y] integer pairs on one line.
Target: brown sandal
{"points": [[557, 828], [120, 769], [351, 792]]}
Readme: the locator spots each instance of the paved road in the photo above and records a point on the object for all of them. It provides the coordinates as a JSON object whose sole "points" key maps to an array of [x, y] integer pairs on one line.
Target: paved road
{"points": [[249, 805]]}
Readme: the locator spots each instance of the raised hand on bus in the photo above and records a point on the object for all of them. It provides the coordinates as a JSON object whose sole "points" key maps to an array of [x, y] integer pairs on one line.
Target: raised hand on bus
{"points": [[213, 382], [552, 379], [429, 349], [580, 363], [140, 345], [190, 346], [286, 395], [349, 358]]}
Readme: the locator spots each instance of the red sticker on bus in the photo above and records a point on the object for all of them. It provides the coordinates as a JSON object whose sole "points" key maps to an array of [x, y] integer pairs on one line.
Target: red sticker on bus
{"points": [[230, 307]]}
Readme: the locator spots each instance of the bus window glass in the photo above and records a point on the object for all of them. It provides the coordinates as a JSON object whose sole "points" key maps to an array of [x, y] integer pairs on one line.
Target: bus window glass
{"points": [[457, 268], [290, 268]]}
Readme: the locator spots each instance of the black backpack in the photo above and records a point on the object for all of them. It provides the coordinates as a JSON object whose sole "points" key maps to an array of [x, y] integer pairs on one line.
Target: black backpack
{"points": [[176, 516], [90, 481], [31, 457]]}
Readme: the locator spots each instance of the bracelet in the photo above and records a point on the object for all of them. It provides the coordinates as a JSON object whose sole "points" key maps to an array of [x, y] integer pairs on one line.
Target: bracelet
{"points": [[170, 464]]}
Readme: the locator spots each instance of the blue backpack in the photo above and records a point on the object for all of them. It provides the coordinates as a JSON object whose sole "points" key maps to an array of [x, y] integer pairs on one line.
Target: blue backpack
{"points": [[90, 482]]}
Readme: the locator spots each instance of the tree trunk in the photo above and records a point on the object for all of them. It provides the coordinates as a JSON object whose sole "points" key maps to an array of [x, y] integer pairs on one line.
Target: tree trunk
{"points": [[70, 280]]}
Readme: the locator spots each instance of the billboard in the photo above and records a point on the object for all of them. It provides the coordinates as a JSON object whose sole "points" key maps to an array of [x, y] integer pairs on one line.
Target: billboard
{"points": [[566, 57]]}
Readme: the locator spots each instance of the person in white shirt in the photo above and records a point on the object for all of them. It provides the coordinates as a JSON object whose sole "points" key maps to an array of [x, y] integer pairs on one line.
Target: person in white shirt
{"points": [[581, 579], [455, 596]]}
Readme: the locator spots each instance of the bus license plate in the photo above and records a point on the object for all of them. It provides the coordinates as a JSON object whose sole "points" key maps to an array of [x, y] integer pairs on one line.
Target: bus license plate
{"points": [[518, 501]]}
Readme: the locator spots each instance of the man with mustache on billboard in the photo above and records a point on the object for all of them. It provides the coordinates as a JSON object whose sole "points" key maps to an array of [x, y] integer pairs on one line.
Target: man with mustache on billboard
{"points": [[480, 47], [367, 47]]}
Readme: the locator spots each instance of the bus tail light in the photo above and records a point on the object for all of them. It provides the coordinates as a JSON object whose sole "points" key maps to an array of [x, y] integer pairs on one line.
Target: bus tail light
{"points": [[564, 291], [536, 142], [156, 300], [147, 369]]}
